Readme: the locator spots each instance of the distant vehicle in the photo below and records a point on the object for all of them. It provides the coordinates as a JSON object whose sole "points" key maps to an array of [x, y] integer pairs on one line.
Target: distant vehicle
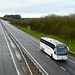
{"points": [[54, 48]]}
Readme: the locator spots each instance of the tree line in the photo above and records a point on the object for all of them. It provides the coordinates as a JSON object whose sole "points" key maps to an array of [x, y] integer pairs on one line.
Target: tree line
{"points": [[62, 26], [11, 17]]}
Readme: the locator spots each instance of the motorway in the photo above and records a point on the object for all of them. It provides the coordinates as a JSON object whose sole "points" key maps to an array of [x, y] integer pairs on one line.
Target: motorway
{"points": [[51, 66]]}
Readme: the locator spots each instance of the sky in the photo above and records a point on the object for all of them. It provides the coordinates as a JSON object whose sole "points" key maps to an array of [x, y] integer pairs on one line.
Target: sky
{"points": [[36, 8]]}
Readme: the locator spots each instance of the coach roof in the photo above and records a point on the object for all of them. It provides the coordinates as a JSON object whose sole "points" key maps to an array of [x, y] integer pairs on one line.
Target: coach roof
{"points": [[53, 41]]}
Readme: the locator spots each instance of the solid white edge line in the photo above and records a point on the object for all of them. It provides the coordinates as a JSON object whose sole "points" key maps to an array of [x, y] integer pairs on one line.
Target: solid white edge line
{"points": [[24, 58], [11, 54], [30, 54]]}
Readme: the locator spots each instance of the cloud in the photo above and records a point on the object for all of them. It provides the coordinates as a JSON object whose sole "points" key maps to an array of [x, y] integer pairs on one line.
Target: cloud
{"points": [[38, 7]]}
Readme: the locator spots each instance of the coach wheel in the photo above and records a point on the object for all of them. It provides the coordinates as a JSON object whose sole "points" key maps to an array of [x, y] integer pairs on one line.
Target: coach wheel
{"points": [[52, 55], [42, 49]]}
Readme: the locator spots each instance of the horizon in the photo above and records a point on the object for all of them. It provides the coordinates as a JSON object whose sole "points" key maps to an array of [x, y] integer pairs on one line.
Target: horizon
{"points": [[37, 9], [40, 16]]}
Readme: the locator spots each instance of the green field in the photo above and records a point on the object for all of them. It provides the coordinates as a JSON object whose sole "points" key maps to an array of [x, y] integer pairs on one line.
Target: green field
{"points": [[39, 35]]}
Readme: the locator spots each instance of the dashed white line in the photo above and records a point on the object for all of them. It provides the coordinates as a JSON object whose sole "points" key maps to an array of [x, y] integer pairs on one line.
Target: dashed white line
{"points": [[63, 68], [71, 61]]}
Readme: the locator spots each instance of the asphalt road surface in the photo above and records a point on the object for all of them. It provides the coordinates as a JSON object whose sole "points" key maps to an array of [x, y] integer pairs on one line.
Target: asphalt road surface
{"points": [[51, 66], [6, 63]]}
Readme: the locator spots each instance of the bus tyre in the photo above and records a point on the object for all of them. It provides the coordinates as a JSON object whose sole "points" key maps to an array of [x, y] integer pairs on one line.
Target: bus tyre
{"points": [[42, 49], [52, 55]]}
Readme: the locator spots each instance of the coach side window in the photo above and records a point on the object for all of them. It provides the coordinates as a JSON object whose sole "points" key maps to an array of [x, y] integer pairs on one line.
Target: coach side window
{"points": [[48, 43]]}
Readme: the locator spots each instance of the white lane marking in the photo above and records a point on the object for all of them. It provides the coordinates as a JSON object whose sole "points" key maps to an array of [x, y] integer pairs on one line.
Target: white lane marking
{"points": [[71, 61], [11, 54], [47, 56], [63, 68]]}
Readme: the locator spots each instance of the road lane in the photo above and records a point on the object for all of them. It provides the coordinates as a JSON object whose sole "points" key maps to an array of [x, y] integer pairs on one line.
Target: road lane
{"points": [[6, 63], [51, 66]]}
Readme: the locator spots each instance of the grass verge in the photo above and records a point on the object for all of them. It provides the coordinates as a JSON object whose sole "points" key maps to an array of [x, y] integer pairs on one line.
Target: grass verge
{"points": [[39, 35]]}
